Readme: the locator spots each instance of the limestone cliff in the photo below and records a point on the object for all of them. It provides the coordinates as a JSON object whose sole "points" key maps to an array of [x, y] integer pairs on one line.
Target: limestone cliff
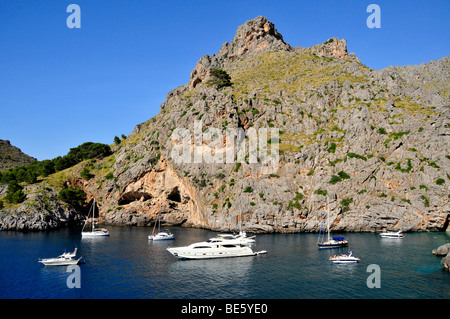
{"points": [[375, 143]]}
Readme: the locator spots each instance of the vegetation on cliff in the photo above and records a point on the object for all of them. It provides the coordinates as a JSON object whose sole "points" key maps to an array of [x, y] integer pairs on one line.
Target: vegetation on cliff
{"points": [[374, 142]]}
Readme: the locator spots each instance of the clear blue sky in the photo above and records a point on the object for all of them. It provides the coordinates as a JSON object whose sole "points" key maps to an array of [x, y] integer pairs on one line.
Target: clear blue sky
{"points": [[61, 87]]}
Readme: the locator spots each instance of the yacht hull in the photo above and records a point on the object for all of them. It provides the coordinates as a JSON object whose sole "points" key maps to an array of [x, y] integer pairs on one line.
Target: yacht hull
{"points": [[206, 253], [95, 234], [333, 245], [161, 237], [348, 261], [392, 235], [59, 263]]}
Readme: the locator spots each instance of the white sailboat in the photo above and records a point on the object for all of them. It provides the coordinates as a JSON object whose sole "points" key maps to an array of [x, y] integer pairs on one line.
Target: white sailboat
{"points": [[161, 234], [334, 242], [93, 232]]}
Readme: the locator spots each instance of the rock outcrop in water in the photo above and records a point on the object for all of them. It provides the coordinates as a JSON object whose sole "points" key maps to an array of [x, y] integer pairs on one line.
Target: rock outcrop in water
{"points": [[444, 250], [375, 143]]}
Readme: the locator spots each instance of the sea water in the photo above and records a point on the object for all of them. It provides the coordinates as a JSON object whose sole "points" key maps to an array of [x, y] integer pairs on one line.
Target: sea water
{"points": [[126, 265]]}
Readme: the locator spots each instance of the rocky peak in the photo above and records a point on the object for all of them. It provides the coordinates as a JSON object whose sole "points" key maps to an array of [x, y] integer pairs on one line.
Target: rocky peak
{"points": [[11, 156], [253, 37], [334, 48]]}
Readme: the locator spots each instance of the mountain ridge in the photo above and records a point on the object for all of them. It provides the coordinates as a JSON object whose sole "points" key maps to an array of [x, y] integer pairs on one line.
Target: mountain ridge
{"points": [[374, 142], [11, 156]]}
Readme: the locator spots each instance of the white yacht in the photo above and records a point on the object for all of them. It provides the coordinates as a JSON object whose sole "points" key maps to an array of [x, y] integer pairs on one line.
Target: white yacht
{"points": [[214, 248], [93, 232], [61, 260], [397, 234], [345, 258]]}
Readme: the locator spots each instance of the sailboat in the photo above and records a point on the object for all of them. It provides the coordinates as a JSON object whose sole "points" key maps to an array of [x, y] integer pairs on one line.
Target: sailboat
{"points": [[93, 232], [161, 234], [334, 242]]}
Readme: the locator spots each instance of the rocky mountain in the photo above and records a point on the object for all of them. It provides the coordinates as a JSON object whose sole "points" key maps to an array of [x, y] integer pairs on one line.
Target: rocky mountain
{"points": [[11, 156], [262, 134]]}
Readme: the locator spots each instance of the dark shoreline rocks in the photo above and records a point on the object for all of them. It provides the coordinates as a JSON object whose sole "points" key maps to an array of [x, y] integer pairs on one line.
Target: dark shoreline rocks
{"points": [[443, 250], [42, 210]]}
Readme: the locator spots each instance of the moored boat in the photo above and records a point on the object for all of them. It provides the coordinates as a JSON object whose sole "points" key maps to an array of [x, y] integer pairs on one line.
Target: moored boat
{"points": [[397, 235], [345, 258], [161, 234], [214, 248], [62, 260], [93, 232], [334, 242]]}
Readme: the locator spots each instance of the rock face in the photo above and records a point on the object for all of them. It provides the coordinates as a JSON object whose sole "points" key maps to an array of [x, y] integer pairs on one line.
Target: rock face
{"points": [[375, 143], [446, 262], [334, 48], [253, 37], [442, 250], [41, 211]]}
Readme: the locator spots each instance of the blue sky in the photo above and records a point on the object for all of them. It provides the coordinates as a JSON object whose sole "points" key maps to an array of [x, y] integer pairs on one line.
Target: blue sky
{"points": [[61, 87]]}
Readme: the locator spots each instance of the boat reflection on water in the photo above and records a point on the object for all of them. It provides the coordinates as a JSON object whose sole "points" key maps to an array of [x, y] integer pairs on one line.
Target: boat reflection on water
{"points": [[222, 278]]}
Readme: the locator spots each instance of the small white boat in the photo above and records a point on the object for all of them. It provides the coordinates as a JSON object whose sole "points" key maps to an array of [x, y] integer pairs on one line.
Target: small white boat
{"points": [[397, 234], [97, 232], [345, 258], [161, 234], [214, 248], [93, 232], [62, 260]]}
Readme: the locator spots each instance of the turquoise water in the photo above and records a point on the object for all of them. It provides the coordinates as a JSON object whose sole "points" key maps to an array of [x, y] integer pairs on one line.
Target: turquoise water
{"points": [[128, 266]]}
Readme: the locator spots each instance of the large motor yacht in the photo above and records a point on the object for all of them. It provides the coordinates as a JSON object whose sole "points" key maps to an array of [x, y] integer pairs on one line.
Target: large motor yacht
{"points": [[215, 248]]}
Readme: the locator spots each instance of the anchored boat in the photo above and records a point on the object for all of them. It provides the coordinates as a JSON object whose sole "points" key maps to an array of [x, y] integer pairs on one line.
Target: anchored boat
{"points": [[397, 235], [334, 242], [161, 234], [345, 258], [215, 248], [62, 260], [93, 232]]}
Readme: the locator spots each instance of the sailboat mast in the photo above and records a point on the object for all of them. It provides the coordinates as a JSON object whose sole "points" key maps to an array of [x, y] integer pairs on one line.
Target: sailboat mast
{"points": [[159, 219], [328, 219], [93, 215]]}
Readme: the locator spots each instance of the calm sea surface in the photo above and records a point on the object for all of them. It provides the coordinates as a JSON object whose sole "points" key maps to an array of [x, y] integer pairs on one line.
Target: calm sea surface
{"points": [[127, 265]]}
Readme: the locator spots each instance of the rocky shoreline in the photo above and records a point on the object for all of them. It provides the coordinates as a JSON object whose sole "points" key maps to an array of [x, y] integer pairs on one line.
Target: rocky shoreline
{"points": [[443, 250], [42, 219], [41, 211], [372, 142]]}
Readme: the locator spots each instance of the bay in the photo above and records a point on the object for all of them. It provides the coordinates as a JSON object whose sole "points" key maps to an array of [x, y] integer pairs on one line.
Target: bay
{"points": [[127, 265]]}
